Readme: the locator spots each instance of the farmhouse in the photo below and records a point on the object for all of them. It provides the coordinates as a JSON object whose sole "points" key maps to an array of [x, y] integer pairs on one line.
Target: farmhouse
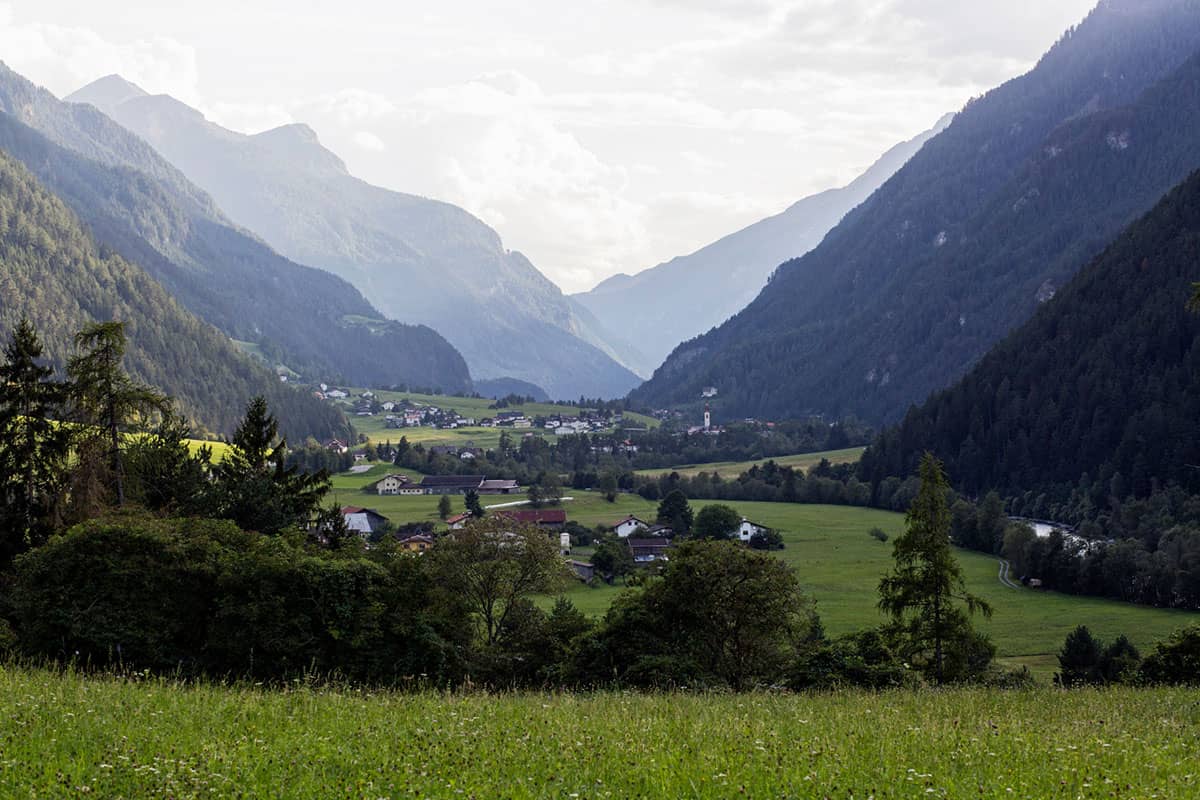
{"points": [[499, 487], [392, 484], [363, 521], [628, 526], [646, 551], [417, 543], [551, 519], [451, 484], [747, 529], [458, 521], [337, 446]]}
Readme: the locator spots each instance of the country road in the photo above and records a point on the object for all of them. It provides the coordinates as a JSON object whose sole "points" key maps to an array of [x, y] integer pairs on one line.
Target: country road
{"points": [[1004, 569]]}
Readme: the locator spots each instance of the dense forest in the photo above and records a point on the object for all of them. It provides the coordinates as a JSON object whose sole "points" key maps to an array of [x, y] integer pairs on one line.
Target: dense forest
{"points": [[1025, 186], [53, 273], [308, 320], [1089, 414]]}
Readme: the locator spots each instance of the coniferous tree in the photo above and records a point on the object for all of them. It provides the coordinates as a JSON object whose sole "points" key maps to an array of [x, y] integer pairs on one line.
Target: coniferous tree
{"points": [[255, 487], [107, 401], [474, 508], [675, 511], [34, 447], [444, 508], [926, 584]]}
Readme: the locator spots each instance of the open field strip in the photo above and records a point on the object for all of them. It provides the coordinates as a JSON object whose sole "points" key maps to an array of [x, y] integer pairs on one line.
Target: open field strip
{"points": [[840, 565], [732, 469], [64, 735]]}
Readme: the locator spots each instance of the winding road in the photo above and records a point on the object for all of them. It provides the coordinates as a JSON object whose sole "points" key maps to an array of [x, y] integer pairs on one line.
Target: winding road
{"points": [[1004, 572]]}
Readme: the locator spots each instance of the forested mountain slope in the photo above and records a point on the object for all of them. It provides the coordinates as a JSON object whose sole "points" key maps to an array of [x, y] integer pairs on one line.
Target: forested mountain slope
{"points": [[418, 259], [962, 244], [1099, 390], [297, 317], [709, 286], [52, 272]]}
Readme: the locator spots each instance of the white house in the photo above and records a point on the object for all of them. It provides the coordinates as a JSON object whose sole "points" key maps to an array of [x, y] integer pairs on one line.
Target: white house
{"points": [[748, 529], [628, 526], [391, 484], [336, 394]]}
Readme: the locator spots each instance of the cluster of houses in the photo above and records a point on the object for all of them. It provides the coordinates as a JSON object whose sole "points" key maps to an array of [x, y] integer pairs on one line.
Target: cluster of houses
{"points": [[649, 542], [399, 484]]}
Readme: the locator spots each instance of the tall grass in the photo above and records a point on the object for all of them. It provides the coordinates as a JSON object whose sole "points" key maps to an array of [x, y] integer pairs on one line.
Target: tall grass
{"points": [[67, 735]]}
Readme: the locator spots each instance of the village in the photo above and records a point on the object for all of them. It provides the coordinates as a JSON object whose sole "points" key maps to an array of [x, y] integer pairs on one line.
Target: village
{"points": [[626, 545]]}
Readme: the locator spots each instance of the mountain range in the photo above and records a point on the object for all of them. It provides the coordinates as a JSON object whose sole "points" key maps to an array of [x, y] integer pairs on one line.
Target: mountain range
{"points": [[709, 286], [418, 260], [53, 273], [961, 245], [298, 320]]}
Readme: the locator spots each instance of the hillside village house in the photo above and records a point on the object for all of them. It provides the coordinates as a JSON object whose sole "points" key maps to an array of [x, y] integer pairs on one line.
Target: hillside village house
{"points": [[646, 551], [748, 529], [337, 446], [550, 519], [417, 543], [393, 484], [499, 487], [458, 521], [628, 526], [363, 521]]}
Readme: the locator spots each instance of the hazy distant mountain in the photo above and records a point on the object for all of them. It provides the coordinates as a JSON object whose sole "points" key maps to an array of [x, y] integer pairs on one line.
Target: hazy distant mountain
{"points": [[648, 314], [291, 316], [1026, 185], [417, 259], [53, 273]]}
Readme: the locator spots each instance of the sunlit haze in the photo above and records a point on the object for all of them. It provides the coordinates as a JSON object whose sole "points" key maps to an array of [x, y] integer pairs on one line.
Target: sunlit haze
{"points": [[595, 137]]}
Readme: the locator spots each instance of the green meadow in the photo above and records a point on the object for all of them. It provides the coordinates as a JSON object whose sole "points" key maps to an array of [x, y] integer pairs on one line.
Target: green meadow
{"points": [[64, 735], [840, 565], [732, 469]]}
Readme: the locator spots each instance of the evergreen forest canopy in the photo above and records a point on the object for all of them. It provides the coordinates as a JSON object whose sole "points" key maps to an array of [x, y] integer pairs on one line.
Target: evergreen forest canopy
{"points": [[295, 317], [1088, 414], [54, 274], [992, 216]]}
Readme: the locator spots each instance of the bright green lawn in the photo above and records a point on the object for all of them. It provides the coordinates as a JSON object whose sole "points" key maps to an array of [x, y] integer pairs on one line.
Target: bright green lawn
{"points": [[732, 469], [69, 736]]}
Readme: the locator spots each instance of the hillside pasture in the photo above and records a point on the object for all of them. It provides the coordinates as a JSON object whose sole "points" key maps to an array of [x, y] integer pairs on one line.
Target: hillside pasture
{"points": [[732, 469]]}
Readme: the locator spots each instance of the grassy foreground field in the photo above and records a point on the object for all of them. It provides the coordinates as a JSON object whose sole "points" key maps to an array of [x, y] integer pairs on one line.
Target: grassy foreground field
{"points": [[69, 736]]}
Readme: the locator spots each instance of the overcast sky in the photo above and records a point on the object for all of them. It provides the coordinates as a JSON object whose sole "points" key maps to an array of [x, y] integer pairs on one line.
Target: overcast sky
{"points": [[597, 137]]}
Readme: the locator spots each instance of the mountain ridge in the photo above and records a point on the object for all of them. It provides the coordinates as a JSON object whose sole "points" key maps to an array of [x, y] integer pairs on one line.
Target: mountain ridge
{"points": [[958, 247], [418, 259]]}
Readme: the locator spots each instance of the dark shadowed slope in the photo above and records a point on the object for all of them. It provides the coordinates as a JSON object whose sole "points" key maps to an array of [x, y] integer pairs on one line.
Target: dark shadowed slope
{"points": [[1026, 185], [1103, 382], [52, 272]]}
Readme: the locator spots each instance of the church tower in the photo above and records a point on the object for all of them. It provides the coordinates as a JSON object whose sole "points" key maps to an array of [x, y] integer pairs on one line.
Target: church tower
{"points": [[707, 418]]}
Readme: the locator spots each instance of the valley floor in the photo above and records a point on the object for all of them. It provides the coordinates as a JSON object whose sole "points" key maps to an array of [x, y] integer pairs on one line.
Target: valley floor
{"points": [[67, 735]]}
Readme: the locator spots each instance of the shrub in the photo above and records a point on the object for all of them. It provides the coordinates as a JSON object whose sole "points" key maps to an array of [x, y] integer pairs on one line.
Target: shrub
{"points": [[878, 533], [1175, 661]]}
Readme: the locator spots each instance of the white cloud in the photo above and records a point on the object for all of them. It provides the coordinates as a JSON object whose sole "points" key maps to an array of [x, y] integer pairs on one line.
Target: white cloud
{"points": [[369, 141]]}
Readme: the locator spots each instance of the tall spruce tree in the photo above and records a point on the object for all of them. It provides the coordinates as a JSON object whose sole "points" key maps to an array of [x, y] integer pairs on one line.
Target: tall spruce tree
{"points": [[34, 445], [254, 486], [923, 592], [107, 401]]}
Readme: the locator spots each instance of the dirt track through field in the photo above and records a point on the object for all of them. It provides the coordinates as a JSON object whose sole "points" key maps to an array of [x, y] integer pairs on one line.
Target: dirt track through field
{"points": [[1004, 572]]}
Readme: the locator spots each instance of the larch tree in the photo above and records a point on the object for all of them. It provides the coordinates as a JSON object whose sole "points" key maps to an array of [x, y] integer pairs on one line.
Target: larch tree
{"points": [[107, 402], [925, 591]]}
